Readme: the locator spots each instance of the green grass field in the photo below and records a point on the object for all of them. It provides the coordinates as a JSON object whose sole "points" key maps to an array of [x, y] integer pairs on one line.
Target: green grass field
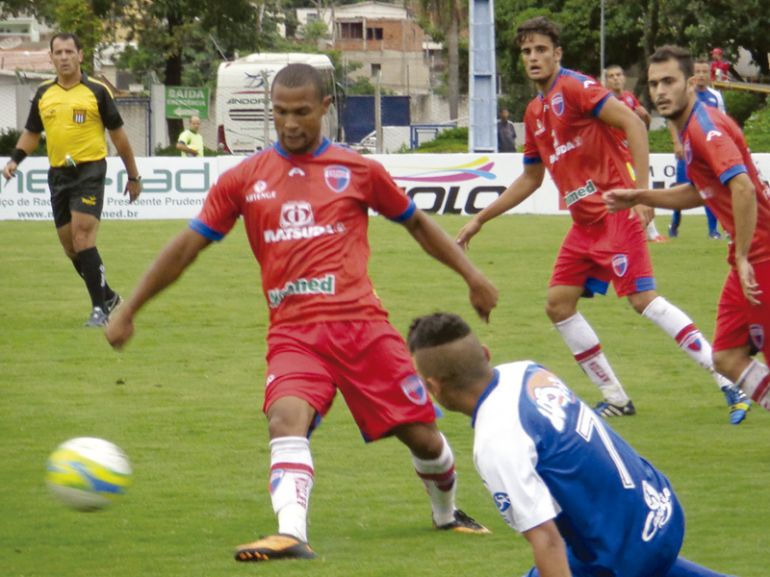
{"points": [[184, 401]]}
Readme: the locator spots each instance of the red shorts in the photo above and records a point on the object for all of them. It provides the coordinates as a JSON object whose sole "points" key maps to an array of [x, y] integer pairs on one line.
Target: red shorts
{"points": [[369, 363], [739, 323], [614, 249]]}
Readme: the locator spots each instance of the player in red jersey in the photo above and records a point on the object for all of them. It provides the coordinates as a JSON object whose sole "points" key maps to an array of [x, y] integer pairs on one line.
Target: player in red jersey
{"points": [[305, 206], [722, 176], [570, 130], [616, 82]]}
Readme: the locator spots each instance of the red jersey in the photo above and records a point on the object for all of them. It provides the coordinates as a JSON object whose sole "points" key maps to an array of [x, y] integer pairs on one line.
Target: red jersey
{"points": [[306, 217], [715, 151], [582, 153], [720, 69], [628, 98]]}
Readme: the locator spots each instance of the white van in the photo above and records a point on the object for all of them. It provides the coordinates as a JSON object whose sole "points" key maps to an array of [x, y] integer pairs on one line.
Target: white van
{"points": [[244, 111]]}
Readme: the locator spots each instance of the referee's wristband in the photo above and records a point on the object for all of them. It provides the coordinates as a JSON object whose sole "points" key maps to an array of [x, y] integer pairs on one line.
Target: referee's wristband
{"points": [[18, 154]]}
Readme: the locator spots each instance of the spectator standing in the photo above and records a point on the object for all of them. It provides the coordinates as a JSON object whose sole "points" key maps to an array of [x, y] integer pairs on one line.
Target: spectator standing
{"points": [[190, 141], [720, 68], [506, 133]]}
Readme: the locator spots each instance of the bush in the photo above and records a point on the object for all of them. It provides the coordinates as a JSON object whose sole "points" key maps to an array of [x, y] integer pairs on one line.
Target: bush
{"points": [[171, 150], [757, 130], [449, 140], [10, 136], [740, 105]]}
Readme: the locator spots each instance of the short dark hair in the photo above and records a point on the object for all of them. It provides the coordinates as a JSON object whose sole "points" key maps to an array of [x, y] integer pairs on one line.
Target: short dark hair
{"points": [[298, 74], [672, 52], [538, 25], [436, 329], [702, 60], [66, 36], [613, 66]]}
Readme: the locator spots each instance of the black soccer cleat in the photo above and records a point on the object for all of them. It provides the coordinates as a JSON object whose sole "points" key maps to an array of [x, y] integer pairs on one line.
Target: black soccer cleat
{"points": [[274, 547], [462, 523], [607, 410], [112, 303]]}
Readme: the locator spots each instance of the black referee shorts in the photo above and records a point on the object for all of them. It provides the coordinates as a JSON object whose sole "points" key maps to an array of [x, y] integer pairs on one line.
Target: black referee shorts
{"points": [[77, 189]]}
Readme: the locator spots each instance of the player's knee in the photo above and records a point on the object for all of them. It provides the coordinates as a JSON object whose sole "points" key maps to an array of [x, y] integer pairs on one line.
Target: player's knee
{"points": [[289, 417], [726, 363], [423, 440]]}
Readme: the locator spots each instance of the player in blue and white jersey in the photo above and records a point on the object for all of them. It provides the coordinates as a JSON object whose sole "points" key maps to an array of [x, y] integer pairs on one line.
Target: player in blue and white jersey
{"points": [[587, 502]]}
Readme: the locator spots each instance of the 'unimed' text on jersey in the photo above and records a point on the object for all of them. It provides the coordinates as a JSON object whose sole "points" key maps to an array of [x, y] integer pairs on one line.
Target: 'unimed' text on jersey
{"points": [[583, 154], [715, 151], [544, 454], [306, 217]]}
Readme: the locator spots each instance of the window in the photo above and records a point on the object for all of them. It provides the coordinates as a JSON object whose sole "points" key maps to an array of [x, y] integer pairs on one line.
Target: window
{"points": [[376, 69], [354, 30], [374, 33]]}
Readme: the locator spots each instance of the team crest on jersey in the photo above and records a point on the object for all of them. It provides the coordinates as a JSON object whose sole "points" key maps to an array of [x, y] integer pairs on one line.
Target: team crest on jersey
{"points": [[550, 395], [502, 501], [337, 177], [557, 103], [78, 116], [620, 264], [414, 389], [757, 334]]}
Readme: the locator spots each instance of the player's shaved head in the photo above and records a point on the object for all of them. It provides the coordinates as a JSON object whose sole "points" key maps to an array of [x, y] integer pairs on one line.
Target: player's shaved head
{"points": [[445, 348], [298, 75]]}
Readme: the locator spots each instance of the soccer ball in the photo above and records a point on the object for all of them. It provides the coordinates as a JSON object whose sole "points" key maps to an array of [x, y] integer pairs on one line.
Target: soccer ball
{"points": [[88, 474]]}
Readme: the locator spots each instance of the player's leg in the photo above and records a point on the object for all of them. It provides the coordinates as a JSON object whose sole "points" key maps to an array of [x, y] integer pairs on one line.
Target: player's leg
{"points": [[684, 568], [680, 327], [435, 465], [298, 390], [375, 374], [652, 233], [676, 220], [712, 222], [584, 344]]}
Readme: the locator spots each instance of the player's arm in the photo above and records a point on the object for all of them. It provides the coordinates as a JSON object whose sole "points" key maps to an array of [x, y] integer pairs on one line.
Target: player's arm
{"points": [[642, 113], [549, 550], [25, 146], [521, 189], [617, 114], [679, 197], [183, 146], [123, 146], [438, 244], [744, 203], [180, 253], [678, 148]]}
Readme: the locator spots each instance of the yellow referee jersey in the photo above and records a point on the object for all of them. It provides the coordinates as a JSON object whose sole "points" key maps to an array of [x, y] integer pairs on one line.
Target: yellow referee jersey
{"points": [[74, 119]]}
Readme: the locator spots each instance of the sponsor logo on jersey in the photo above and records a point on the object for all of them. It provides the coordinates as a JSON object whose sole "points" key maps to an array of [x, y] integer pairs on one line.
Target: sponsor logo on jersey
{"points": [[661, 508], [324, 285], [757, 334], [78, 116], [589, 82], [620, 264], [88, 200], [550, 395], [337, 177], [296, 171], [540, 128], [414, 389], [297, 223], [502, 501], [260, 192], [557, 103], [712, 134], [573, 196], [561, 149]]}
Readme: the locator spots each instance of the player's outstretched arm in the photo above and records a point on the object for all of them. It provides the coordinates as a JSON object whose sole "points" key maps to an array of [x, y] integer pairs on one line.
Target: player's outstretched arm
{"points": [[549, 550], [438, 244], [678, 197], [521, 188], [180, 253]]}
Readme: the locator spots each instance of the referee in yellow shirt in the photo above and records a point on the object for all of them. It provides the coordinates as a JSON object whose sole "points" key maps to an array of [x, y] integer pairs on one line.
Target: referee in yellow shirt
{"points": [[74, 111]]}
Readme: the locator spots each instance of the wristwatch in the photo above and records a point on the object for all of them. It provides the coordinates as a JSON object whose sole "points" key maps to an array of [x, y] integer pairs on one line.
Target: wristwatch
{"points": [[134, 178]]}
